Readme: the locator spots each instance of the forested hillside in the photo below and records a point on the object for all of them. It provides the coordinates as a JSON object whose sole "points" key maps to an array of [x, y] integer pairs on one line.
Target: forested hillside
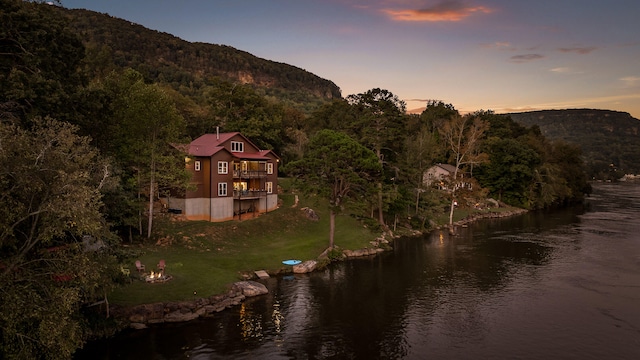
{"points": [[162, 57], [610, 140]]}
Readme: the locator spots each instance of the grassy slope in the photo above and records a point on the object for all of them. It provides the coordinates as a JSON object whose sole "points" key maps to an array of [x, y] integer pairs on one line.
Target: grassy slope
{"points": [[207, 257]]}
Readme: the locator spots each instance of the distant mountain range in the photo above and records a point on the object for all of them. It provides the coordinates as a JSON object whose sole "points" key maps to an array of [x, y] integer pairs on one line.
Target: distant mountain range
{"points": [[610, 140]]}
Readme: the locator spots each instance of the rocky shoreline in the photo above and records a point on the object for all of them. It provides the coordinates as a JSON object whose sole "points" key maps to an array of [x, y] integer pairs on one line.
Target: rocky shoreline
{"points": [[489, 215], [140, 316]]}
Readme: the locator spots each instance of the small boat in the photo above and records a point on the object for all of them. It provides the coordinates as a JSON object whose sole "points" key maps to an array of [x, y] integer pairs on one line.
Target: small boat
{"points": [[291, 262]]}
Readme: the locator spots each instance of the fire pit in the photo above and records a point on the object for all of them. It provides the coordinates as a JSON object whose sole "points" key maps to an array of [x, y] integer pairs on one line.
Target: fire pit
{"points": [[157, 277]]}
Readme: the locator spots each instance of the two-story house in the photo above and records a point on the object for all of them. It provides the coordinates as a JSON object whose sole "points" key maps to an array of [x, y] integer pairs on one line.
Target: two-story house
{"points": [[232, 178]]}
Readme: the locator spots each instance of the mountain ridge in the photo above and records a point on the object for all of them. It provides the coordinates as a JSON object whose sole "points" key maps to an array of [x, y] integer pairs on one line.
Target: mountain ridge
{"points": [[161, 56], [610, 140]]}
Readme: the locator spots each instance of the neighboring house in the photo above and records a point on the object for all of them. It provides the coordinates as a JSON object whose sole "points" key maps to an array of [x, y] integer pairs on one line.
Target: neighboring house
{"points": [[233, 179], [440, 175]]}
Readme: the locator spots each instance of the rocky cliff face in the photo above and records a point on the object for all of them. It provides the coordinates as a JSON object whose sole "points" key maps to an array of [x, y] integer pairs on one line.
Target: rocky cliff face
{"points": [[166, 58]]}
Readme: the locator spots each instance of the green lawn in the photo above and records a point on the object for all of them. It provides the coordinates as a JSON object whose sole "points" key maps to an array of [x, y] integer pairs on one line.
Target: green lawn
{"points": [[206, 258]]}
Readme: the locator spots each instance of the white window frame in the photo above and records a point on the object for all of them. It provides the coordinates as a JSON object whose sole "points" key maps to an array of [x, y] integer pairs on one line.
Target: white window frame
{"points": [[269, 168], [222, 189], [237, 146], [197, 165], [223, 167], [269, 186]]}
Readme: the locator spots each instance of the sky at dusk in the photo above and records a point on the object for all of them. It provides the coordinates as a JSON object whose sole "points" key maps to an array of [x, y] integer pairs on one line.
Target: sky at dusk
{"points": [[500, 55]]}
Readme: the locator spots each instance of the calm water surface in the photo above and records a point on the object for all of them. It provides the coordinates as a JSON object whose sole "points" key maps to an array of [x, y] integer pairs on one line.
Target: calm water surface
{"points": [[557, 285]]}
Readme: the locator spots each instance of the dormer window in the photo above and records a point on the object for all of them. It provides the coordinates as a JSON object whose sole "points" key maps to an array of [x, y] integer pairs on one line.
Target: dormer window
{"points": [[237, 146]]}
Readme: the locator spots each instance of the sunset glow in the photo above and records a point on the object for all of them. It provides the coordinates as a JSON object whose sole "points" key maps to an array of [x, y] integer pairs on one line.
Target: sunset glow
{"points": [[500, 55], [443, 11]]}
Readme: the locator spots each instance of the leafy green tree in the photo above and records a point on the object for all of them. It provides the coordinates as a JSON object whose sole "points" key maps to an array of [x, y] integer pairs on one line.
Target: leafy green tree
{"points": [[338, 115], [380, 126], [146, 122], [237, 107], [337, 168], [526, 169], [295, 137], [561, 176], [509, 171], [196, 114], [569, 159], [434, 115], [54, 254]]}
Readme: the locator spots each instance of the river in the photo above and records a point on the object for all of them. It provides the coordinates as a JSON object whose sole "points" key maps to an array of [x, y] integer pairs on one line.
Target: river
{"points": [[563, 284]]}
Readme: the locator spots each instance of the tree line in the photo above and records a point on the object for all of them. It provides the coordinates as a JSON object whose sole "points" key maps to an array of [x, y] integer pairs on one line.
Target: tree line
{"points": [[492, 157], [84, 152]]}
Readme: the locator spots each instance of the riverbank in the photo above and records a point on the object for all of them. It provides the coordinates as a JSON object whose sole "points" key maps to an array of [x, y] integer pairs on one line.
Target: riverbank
{"points": [[489, 215], [142, 315]]}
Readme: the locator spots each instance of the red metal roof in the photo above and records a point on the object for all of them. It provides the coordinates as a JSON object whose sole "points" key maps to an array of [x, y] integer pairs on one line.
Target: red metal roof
{"points": [[214, 139], [250, 156], [209, 144], [203, 149]]}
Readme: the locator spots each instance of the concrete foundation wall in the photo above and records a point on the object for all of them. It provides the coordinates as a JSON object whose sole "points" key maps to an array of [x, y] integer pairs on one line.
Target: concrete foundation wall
{"points": [[196, 209], [222, 209], [272, 202]]}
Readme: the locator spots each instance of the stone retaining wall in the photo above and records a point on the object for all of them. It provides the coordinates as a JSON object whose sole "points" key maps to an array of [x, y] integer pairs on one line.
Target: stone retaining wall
{"points": [[142, 315]]}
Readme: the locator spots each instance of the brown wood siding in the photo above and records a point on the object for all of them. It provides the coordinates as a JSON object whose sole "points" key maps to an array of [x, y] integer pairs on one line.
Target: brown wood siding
{"points": [[206, 176], [199, 178], [218, 178], [273, 177]]}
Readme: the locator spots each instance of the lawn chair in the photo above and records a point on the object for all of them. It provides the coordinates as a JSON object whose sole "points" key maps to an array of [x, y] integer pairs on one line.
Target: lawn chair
{"points": [[161, 265], [139, 266], [125, 271]]}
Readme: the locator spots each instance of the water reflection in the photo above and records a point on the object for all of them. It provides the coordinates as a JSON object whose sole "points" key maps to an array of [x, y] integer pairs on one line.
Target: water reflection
{"points": [[561, 284], [250, 324]]}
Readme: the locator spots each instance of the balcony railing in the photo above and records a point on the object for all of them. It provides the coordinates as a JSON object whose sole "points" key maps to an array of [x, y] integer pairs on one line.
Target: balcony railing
{"points": [[240, 194], [249, 174]]}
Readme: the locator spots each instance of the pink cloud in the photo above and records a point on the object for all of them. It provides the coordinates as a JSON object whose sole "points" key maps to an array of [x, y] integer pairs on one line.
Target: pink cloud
{"points": [[447, 10]]}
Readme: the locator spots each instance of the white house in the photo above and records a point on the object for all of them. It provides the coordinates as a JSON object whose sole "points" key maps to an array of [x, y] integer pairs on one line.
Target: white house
{"points": [[440, 175]]}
